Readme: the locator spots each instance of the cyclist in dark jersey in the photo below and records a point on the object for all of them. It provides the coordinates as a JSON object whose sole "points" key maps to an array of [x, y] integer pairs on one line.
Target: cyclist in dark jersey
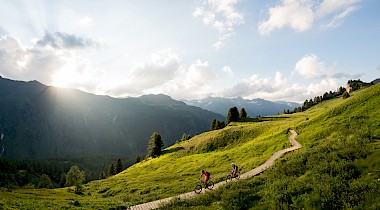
{"points": [[234, 170]]}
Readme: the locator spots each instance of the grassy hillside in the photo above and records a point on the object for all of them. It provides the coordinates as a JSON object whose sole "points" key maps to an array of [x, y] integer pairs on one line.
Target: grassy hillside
{"points": [[338, 167]]}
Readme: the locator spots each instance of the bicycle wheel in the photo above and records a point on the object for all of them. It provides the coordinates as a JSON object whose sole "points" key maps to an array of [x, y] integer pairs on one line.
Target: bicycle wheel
{"points": [[198, 189], [237, 176], [229, 178], [210, 185]]}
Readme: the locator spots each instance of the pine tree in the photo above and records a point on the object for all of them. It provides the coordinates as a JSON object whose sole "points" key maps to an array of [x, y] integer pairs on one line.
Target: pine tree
{"points": [[155, 145], [213, 125], [102, 175], [222, 125], [243, 113], [137, 159], [119, 166], [233, 115], [185, 137], [62, 182], [111, 170]]}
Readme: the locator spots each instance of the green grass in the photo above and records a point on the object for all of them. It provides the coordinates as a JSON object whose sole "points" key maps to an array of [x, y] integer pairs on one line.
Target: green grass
{"points": [[341, 148], [337, 168]]}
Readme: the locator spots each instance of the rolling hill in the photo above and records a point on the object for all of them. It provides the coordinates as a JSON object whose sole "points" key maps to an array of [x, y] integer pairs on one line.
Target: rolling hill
{"points": [[337, 167]]}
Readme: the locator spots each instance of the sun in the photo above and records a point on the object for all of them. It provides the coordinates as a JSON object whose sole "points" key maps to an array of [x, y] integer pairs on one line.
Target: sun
{"points": [[63, 79]]}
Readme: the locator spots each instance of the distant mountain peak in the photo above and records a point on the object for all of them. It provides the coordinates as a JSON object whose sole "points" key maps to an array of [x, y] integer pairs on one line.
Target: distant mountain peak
{"points": [[254, 107]]}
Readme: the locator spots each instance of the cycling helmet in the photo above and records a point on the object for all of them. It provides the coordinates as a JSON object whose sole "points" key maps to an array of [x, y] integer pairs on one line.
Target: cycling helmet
{"points": [[202, 171], [233, 164]]}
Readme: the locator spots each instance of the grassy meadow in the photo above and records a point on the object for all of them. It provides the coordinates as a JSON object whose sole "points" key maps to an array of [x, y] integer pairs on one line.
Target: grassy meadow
{"points": [[337, 168]]}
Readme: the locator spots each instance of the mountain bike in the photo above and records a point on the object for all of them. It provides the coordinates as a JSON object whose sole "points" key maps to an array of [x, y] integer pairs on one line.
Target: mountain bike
{"points": [[230, 177], [202, 184]]}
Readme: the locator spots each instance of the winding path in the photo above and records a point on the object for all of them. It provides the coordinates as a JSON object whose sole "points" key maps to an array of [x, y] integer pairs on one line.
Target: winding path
{"points": [[251, 173]]}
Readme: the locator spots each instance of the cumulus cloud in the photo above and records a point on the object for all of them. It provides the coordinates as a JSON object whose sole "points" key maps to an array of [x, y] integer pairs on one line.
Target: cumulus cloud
{"points": [[310, 67], [228, 71], [198, 74], [296, 14], [221, 15], [276, 88], [86, 21], [51, 60], [144, 77], [27, 63], [301, 15], [64, 41], [255, 85], [193, 82], [158, 70]]}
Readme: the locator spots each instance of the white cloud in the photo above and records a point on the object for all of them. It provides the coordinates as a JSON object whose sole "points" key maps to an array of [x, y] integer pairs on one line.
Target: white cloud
{"points": [[339, 18], [325, 85], [310, 67], [294, 13], [52, 60], [221, 15], [331, 6], [258, 87], [63, 40], [86, 21], [27, 63], [228, 71], [161, 68], [278, 80], [196, 81], [253, 86], [301, 15]]}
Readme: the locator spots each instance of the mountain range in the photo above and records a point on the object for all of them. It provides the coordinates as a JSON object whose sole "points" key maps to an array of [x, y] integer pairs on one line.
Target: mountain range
{"points": [[253, 107], [39, 121]]}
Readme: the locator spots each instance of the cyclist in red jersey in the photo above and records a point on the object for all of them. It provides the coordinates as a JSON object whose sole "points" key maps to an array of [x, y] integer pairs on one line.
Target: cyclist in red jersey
{"points": [[206, 176]]}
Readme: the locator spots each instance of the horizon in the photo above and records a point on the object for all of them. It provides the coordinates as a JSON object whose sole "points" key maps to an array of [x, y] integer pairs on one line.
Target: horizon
{"points": [[282, 50]]}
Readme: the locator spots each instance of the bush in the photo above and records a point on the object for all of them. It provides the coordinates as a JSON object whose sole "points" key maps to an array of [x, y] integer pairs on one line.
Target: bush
{"points": [[345, 95]]}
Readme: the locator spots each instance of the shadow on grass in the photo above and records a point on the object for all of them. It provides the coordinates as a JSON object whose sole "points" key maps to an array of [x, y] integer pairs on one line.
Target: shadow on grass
{"points": [[262, 119]]}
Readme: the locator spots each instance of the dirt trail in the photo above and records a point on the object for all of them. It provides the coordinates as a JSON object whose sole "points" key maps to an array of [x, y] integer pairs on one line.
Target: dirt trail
{"points": [[251, 173]]}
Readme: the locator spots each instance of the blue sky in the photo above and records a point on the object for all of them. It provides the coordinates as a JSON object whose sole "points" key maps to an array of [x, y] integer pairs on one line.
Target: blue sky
{"points": [[277, 50]]}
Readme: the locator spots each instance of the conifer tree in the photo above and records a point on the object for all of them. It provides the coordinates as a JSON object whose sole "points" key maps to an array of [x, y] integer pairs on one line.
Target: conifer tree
{"points": [[102, 175], [62, 182], [243, 113], [119, 166], [233, 115], [137, 159], [213, 125], [155, 145], [111, 170]]}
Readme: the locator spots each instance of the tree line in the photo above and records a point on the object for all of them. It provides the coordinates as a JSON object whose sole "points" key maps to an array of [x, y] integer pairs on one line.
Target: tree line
{"points": [[233, 115], [318, 99]]}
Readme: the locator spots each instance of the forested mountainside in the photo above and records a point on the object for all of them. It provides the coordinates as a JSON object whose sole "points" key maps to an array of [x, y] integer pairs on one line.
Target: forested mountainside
{"points": [[39, 121]]}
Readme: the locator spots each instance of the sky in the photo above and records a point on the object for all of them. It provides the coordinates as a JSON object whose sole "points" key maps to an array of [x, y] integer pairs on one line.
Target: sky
{"points": [[280, 50]]}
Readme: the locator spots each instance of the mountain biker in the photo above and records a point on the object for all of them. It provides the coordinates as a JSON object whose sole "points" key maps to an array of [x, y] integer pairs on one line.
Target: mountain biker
{"points": [[206, 174], [234, 170]]}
